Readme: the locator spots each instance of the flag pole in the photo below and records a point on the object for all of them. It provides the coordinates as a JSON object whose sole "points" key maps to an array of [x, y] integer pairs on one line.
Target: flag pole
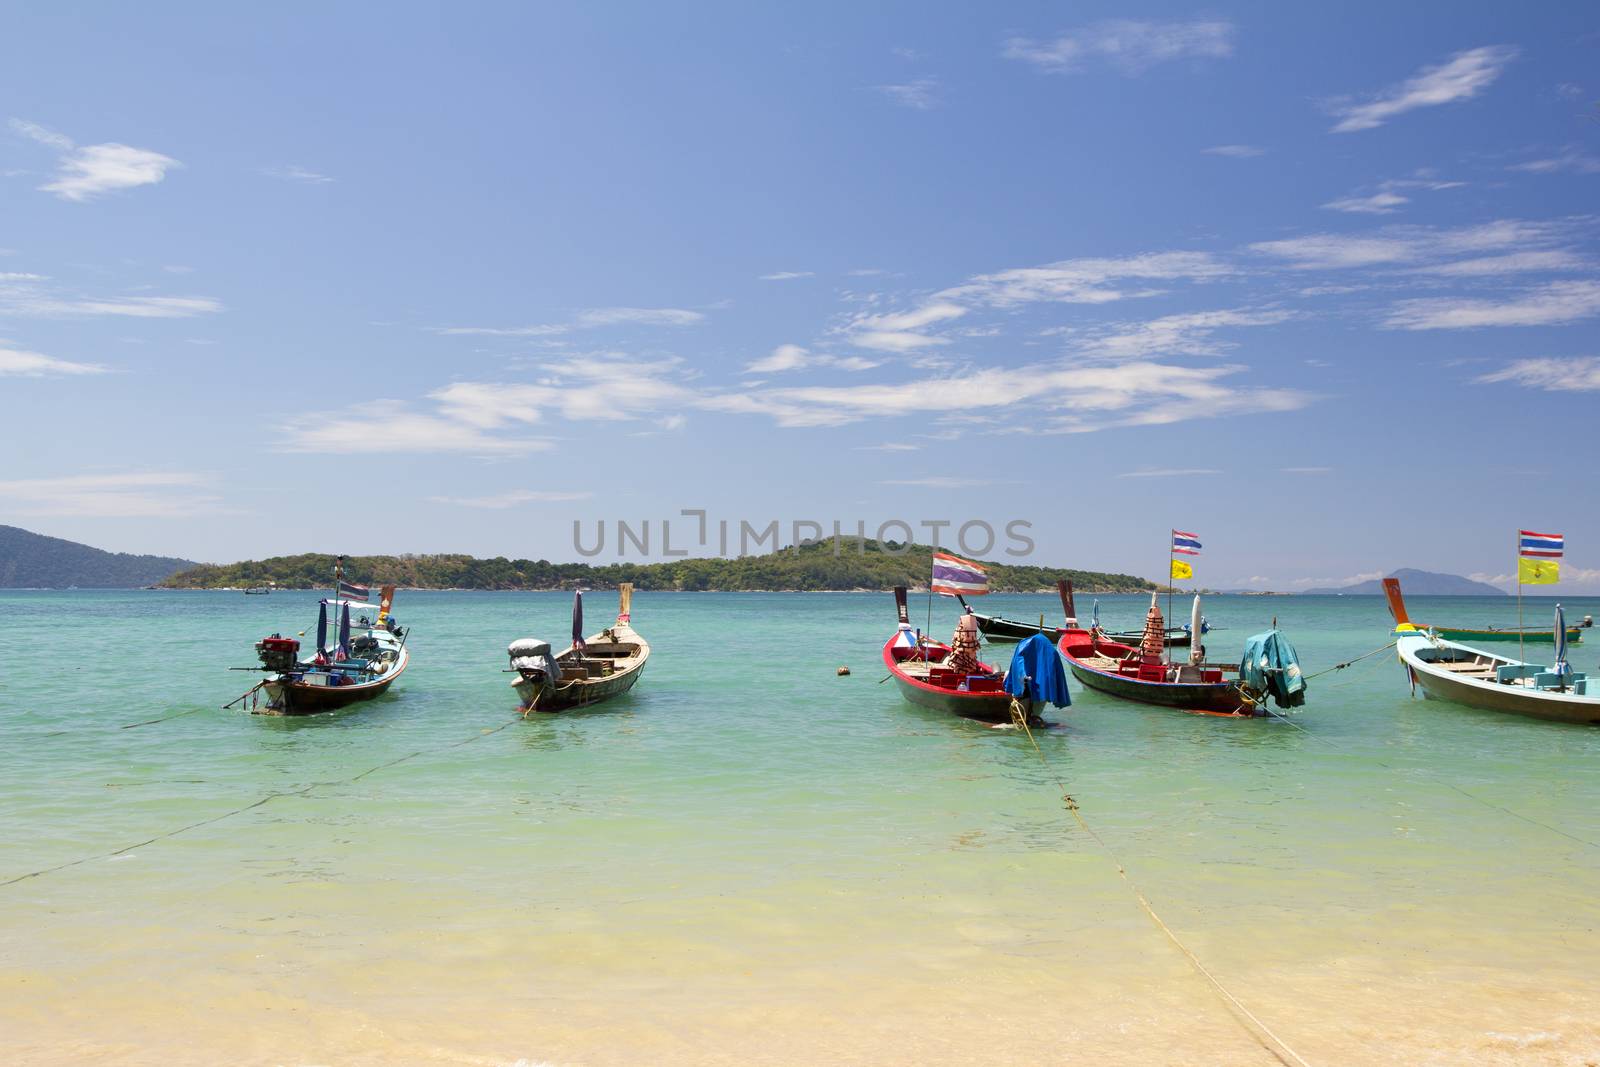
{"points": [[1522, 656], [1166, 623]]}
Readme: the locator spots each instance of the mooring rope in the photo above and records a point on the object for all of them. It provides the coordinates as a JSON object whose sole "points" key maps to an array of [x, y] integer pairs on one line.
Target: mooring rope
{"points": [[1270, 1042], [258, 802]]}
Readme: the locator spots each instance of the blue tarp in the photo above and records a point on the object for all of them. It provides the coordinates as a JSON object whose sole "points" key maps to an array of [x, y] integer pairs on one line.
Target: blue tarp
{"points": [[1036, 672], [1272, 666]]}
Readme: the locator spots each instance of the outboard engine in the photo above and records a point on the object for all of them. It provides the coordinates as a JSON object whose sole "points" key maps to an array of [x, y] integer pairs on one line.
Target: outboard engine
{"points": [[532, 658], [278, 653]]}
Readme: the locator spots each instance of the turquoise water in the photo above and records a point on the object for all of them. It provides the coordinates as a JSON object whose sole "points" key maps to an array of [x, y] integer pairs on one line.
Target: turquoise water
{"points": [[751, 860]]}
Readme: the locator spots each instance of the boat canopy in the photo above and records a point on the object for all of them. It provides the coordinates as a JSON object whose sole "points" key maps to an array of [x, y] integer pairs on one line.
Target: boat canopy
{"points": [[1272, 666], [1036, 672]]}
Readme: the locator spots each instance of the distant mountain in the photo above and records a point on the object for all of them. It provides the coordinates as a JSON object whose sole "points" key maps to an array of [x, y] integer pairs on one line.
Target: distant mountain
{"points": [[1420, 583], [810, 567], [33, 561]]}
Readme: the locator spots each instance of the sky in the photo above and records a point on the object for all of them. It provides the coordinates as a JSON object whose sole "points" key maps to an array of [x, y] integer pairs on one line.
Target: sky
{"points": [[1320, 286]]}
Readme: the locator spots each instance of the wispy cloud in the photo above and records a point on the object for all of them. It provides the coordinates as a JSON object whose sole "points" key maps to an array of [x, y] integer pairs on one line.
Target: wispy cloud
{"points": [[132, 494], [787, 275], [511, 498], [1569, 159], [1555, 375], [1381, 203], [389, 427], [20, 363], [938, 481], [1129, 45], [1410, 245], [1553, 304], [30, 297], [293, 173], [1189, 334], [921, 94], [93, 170], [794, 357], [1462, 77], [1169, 472], [1235, 151], [591, 318]]}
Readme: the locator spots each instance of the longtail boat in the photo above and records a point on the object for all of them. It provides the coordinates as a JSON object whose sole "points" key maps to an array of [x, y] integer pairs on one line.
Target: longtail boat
{"points": [[1456, 672], [590, 670], [1000, 630], [365, 658], [1141, 673], [950, 677], [1525, 634]]}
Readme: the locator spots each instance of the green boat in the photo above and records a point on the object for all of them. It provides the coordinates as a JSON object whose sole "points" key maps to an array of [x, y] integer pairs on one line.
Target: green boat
{"points": [[1526, 634]]}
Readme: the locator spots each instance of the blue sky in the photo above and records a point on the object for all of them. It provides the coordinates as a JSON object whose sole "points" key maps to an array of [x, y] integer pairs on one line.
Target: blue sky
{"points": [[1319, 286]]}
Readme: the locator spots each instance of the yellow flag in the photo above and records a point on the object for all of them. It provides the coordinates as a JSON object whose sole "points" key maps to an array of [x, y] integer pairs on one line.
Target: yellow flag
{"points": [[1538, 571], [1180, 569]]}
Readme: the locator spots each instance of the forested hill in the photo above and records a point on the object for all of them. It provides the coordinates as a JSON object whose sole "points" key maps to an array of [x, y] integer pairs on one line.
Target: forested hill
{"points": [[812, 567], [34, 561]]}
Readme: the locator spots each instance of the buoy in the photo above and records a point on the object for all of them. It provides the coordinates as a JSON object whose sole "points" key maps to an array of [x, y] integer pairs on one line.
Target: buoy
{"points": [[843, 671]]}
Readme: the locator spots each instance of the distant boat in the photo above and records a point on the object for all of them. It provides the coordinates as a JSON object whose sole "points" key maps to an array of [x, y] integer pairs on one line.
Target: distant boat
{"points": [[588, 671], [1001, 630], [1457, 672], [260, 590], [365, 658], [1140, 673], [1526, 634]]}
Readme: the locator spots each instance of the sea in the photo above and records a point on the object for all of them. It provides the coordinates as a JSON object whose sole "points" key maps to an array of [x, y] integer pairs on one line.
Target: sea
{"points": [[754, 860]]}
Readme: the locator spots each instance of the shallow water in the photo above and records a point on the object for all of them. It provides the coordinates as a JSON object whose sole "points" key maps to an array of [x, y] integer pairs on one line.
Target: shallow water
{"points": [[750, 860]]}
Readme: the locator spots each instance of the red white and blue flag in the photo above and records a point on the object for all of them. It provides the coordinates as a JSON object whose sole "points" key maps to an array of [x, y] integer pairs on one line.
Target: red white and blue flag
{"points": [[352, 591], [954, 576], [1185, 544], [1546, 546]]}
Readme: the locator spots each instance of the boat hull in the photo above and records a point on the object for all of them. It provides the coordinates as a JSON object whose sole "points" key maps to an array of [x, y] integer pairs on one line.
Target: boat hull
{"points": [[1000, 630], [1210, 698], [1437, 683], [985, 707], [577, 695], [299, 698], [1532, 637]]}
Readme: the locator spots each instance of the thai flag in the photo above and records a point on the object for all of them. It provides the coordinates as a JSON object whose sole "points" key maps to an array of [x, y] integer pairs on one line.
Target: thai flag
{"points": [[1185, 544], [354, 592], [1548, 546], [954, 576]]}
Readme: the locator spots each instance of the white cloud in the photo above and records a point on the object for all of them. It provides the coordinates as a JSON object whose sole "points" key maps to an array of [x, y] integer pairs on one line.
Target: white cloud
{"points": [[20, 363], [787, 275], [1076, 398], [1169, 472], [1553, 304], [1235, 151], [587, 319], [510, 498], [1188, 334], [1464, 76], [133, 494], [921, 94], [1085, 281], [1132, 46], [1510, 263], [1554, 375], [937, 481], [1406, 245], [388, 427], [300, 174], [95, 169], [1381, 203], [31, 298], [1570, 159], [783, 358], [889, 446], [19, 276]]}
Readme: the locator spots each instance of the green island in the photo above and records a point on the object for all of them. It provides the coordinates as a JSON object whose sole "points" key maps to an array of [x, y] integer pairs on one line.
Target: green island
{"points": [[808, 568]]}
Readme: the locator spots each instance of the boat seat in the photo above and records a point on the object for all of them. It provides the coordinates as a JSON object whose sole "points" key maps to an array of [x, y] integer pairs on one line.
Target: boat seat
{"points": [[1552, 680], [1189, 674], [1515, 672]]}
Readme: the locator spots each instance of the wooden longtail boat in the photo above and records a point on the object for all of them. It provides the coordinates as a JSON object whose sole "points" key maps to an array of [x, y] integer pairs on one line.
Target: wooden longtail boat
{"points": [[368, 655], [1138, 672], [1001, 630], [1524, 634], [586, 672], [1457, 672], [920, 671]]}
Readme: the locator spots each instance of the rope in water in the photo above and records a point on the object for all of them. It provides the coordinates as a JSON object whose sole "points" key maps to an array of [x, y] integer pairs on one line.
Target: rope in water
{"points": [[258, 802], [1263, 1035]]}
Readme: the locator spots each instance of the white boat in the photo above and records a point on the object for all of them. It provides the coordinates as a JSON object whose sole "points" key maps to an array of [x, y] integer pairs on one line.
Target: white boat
{"points": [[1457, 672]]}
